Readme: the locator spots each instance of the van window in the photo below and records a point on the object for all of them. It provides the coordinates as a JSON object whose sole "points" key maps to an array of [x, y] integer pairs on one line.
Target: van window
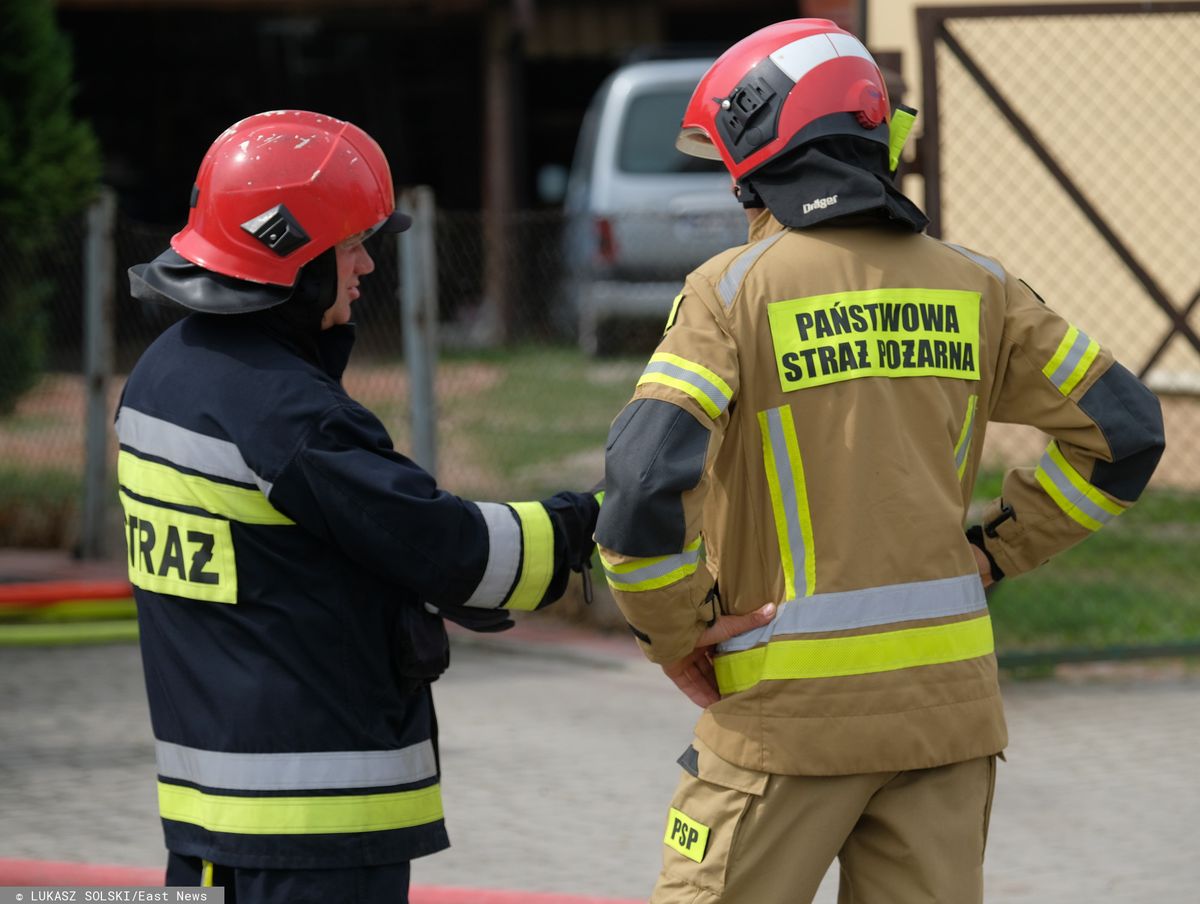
{"points": [[648, 136]]}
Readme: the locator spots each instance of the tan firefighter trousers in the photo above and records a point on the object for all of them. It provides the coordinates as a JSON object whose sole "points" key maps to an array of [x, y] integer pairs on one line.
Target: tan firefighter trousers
{"points": [[744, 837]]}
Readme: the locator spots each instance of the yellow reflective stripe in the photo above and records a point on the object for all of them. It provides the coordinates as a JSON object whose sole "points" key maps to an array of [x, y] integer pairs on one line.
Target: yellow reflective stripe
{"points": [[858, 655], [1081, 368], [179, 553], [638, 564], [1087, 494], [206, 874], [537, 556], [701, 399], [708, 390], [772, 469], [789, 500], [654, 573], [1071, 360], [1061, 352], [801, 489], [158, 481], [674, 313], [963, 446], [697, 369], [324, 815]]}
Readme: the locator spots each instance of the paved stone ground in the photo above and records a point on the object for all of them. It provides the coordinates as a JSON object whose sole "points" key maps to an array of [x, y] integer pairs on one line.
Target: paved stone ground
{"points": [[559, 761]]}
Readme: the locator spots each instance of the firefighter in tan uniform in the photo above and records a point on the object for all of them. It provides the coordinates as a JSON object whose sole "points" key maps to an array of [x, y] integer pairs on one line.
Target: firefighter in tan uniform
{"points": [[808, 434]]}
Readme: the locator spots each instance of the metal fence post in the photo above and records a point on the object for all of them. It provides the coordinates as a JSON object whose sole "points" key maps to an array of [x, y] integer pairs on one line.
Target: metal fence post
{"points": [[98, 292], [418, 307]]}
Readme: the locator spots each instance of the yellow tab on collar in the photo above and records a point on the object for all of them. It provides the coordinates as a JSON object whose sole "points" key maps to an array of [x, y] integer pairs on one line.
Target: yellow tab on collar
{"points": [[686, 836]]}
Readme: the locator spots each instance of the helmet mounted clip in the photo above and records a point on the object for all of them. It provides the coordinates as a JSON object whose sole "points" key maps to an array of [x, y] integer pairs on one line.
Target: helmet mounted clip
{"points": [[278, 230]]}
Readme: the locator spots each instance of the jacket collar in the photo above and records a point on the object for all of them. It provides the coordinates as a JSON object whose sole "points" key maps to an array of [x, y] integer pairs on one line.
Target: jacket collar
{"points": [[764, 225], [333, 349]]}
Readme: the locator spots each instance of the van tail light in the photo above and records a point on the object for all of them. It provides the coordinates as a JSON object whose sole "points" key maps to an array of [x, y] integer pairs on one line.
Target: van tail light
{"points": [[606, 243]]}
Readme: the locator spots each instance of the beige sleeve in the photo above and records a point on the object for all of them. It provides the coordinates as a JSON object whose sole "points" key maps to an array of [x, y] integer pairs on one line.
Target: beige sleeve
{"points": [[1105, 435]]}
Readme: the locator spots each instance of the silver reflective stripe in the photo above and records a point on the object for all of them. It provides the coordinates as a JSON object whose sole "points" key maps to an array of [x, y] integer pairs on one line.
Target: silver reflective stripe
{"points": [[736, 272], [787, 494], [187, 448], [801, 57], [504, 555], [296, 771], [986, 262], [964, 444], [867, 608], [1066, 369], [660, 568], [1072, 493], [711, 391]]}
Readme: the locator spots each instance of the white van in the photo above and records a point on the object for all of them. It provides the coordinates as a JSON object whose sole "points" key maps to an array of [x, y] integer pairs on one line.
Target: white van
{"points": [[640, 214]]}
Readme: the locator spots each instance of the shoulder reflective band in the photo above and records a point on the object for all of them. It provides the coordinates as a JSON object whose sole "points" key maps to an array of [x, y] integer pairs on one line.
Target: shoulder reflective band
{"points": [[963, 447], [731, 281], [686, 835], [857, 655], [707, 389], [674, 313], [296, 771], [851, 609], [318, 815], [875, 333], [986, 262], [537, 556], [653, 573], [185, 448], [1071, 360], [504, 555], [902, 123], [1081, 501], [179, 554], [158, 481], [789, 501]]}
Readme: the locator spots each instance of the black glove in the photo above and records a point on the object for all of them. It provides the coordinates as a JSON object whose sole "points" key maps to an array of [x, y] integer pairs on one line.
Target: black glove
{"points": [[975, 538], [577, 514], [483, 621]]}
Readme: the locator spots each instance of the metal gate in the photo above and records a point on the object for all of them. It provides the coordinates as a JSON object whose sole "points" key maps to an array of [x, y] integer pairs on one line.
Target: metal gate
{"points": [[1062, 139]]}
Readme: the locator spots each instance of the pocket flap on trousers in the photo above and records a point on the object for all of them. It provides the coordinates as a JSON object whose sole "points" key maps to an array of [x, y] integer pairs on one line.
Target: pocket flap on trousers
{"points": [[711, 768]]}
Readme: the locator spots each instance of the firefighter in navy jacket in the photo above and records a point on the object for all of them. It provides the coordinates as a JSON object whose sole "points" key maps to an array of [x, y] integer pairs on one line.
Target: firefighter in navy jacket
{"points": [[291, 569]]}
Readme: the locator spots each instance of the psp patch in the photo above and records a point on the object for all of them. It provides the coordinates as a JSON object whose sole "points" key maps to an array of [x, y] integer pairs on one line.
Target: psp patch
{"points": [[875, 333], [686, 835]]}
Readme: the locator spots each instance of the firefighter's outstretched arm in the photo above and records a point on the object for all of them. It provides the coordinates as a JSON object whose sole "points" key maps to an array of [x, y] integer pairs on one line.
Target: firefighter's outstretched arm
{"points": [[1106, 434], [470, 561]]}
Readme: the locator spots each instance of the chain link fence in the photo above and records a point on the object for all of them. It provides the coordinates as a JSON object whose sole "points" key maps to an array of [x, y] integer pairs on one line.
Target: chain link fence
{"points": [[1060, 150]]}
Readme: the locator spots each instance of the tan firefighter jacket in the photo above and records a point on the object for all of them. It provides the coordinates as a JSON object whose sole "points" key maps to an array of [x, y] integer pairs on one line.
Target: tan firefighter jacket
{"points": [[808, 432]]}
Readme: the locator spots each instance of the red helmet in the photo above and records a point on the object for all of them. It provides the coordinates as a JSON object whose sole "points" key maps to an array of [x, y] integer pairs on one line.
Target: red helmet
{"points": [[781, 87], [277, 189]]}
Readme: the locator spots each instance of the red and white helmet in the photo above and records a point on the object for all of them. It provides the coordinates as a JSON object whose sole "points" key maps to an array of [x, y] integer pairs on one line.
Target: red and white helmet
{"points": [[277, 189], [781, 87]]}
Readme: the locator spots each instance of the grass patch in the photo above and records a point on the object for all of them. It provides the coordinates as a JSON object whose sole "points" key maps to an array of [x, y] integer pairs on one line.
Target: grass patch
{"points": [[548, 406], [1134, 583]]}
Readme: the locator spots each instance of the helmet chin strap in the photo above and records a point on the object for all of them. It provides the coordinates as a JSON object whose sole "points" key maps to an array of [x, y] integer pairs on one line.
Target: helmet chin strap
{"points": [[748, 197]]}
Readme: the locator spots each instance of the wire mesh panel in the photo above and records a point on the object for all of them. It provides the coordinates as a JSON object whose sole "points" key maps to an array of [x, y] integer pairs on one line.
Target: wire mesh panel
{"points": [[1061, 152]]}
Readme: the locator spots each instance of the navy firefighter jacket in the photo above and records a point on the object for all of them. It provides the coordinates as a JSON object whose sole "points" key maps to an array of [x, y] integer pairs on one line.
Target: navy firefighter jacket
{"points": [[287, 562]]}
